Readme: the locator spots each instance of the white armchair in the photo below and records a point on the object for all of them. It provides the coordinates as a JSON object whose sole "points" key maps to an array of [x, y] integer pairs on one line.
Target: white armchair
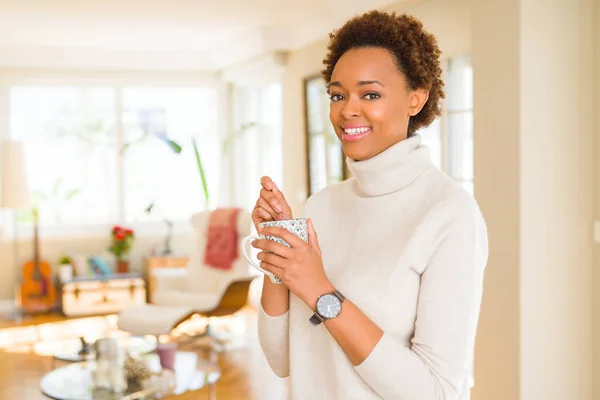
{"points": [[201, 289]]}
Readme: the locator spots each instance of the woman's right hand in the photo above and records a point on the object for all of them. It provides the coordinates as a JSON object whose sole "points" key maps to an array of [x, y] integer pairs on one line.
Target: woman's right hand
{"points": [[271, 205]]}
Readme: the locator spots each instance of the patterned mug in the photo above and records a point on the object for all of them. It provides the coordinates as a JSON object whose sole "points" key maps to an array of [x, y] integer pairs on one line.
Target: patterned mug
{"points": [[297, 226]]}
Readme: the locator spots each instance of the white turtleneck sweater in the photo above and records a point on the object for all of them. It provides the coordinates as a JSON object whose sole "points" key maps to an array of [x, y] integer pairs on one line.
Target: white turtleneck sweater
{"points": [[408, 247]]}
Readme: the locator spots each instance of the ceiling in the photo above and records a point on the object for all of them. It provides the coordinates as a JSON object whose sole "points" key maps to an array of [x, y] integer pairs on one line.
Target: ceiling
{"points": [[161, 34]]}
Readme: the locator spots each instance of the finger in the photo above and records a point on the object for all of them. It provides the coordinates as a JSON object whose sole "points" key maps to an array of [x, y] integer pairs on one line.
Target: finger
{"points": [[285, 213], [272, 258], [267, 183], [272, 200], [313, 240], [272, 268], [270, 186], [277, 191], [273, 247], [293, 240], [264, 205], [260, 214]]}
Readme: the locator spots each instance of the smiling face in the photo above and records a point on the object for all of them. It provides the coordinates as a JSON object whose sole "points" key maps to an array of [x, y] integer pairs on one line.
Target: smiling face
{"points": [[371, 102]]}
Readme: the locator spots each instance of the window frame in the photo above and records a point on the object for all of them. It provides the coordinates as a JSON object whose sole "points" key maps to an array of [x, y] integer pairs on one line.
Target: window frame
{"points": [[446, 152], [241, 154]]}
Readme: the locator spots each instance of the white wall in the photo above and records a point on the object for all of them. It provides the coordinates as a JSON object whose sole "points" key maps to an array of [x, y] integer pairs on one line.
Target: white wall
{"points": [[27, 76], [556, 139], [596, 280], [534, 182], [449, 21], [496, 170]]}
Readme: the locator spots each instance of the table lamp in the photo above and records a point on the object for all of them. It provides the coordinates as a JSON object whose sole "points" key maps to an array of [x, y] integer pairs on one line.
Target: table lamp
{"points": [[14, 195]]}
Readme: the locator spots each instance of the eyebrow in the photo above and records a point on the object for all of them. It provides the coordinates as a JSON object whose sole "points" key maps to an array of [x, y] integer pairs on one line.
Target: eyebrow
{"points": [[360, 83]]}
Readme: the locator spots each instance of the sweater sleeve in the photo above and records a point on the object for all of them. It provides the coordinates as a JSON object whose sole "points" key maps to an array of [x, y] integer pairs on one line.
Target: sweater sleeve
{"points": [[273, 335], [436, 366]]}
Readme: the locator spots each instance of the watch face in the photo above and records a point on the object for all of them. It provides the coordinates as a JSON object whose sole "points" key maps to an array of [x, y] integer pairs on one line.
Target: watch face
{"points": [[329, 306]]}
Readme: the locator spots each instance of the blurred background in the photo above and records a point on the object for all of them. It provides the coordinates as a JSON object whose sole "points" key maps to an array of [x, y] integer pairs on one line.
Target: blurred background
{"points": [[142, 113]]}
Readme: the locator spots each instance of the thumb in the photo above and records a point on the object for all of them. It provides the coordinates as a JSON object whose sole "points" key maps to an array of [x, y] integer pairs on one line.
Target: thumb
{"points": [[313, 240]]}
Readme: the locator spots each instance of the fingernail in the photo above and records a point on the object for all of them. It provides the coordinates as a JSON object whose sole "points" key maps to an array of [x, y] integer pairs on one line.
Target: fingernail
{"points": [[275, 188], [277, 207]]}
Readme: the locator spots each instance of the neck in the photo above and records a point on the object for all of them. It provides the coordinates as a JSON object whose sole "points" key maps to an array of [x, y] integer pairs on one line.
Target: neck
{"points": [[392, 169]]}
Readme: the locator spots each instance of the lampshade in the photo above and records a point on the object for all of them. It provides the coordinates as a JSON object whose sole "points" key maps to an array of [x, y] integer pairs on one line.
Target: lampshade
{"points": [[14, 190]]}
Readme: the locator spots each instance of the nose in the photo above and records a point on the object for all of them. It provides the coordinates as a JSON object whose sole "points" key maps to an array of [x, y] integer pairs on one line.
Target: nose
{"points": [[351, 108]]}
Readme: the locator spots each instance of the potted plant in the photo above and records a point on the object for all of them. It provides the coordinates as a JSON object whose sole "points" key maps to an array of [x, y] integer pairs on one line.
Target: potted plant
{"points": [[121, 241], [65, 269]]}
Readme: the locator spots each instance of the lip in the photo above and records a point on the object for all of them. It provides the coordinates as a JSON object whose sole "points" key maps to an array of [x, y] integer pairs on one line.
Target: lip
{"points": [[355, 137]]}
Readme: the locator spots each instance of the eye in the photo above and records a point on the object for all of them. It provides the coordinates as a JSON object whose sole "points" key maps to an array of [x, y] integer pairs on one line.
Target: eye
{"points": [[335, 97], [372, 96]]}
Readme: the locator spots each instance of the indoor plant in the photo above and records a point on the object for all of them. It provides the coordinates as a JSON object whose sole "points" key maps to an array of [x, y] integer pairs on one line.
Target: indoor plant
{"points": [[121, 242], [65, 269]]}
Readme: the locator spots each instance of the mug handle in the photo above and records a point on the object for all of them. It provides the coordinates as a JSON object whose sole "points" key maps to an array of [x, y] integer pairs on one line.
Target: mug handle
{"points": [[274, 278]]}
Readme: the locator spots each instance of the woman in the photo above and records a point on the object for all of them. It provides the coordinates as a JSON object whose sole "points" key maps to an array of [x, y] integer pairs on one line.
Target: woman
{"points": [[400, 241]]}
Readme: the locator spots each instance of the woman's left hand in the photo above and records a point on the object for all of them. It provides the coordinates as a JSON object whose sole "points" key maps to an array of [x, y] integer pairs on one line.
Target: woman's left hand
{"points": [[300, 266]]}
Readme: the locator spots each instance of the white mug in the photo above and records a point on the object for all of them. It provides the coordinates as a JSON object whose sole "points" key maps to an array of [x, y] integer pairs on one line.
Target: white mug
{"points": [[297, 226]]}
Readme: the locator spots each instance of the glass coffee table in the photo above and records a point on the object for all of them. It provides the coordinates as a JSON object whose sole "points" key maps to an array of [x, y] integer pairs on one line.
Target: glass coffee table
{"points": [[69, 350], [74, 381]]}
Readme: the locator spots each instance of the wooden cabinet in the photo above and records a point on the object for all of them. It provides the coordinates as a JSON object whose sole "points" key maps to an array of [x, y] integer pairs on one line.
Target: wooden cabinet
{"points": [[155, 264]]}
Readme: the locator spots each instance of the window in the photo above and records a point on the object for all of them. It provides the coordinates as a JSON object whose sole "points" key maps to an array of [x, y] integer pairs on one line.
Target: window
{"points": [[152, 172], [451, 137], [325, 158], [69, 138], [458, 112], [99, 155], [256, 143]]}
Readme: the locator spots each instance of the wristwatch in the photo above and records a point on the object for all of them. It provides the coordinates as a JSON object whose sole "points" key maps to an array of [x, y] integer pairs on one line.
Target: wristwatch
{"points": [[329, 306]]}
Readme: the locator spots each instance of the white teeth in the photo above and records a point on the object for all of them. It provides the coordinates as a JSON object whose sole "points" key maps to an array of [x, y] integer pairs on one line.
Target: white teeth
{"points": [[355, 131]]}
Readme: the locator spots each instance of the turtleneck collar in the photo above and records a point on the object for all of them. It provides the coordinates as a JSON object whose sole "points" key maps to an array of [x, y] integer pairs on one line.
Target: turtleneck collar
{"points": [[392, 169]]}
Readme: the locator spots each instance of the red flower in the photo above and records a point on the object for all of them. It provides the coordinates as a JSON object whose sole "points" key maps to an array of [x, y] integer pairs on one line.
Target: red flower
{"points": [[122, 240], [119, 233]]}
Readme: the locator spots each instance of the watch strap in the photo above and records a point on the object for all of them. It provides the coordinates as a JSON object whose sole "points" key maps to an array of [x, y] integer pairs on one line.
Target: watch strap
{"points": [[339, 295], [316, 319]]}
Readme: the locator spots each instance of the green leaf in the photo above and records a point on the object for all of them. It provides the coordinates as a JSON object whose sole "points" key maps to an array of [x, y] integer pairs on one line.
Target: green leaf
{"points": [[24, 216], [72, 193], [230, 139], [38, 196], [124, 148], [201, 171], [149, 208], [174, 146], [57, 185]]}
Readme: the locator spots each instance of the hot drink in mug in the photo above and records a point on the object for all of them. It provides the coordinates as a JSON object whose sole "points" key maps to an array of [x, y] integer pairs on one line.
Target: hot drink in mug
{"points": [[297, 226]]}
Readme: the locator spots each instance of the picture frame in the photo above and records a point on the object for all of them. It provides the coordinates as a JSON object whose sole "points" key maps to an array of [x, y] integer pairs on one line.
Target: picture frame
{"points": [[325, 159]]}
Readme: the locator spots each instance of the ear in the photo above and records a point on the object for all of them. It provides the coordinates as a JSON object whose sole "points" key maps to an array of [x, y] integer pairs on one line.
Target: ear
{"points": [[418, 98]]}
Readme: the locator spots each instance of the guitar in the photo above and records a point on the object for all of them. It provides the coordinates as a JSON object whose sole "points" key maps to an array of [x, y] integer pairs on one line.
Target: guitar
{"points": [[38, 293]]}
